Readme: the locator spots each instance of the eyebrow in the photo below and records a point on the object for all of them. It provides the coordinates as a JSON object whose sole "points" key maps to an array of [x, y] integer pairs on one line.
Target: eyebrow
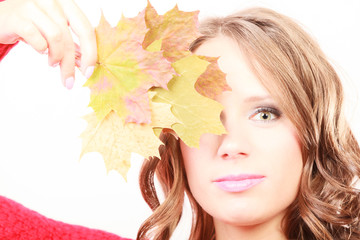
{"points": [[257, 98]]}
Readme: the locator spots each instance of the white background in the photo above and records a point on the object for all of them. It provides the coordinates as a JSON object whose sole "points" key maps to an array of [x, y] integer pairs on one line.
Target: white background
{"points": [[41, 121]]}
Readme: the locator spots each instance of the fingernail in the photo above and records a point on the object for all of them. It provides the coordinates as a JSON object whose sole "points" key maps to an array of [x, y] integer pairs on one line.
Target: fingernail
{"points": [[69, 83], [89, 71], [46, 51], [56, 64]]}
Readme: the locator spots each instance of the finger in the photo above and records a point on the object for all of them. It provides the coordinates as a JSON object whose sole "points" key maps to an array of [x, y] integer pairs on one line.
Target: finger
{"points": [[86, 34], [30, 34], [67, 64], [52, 32]]}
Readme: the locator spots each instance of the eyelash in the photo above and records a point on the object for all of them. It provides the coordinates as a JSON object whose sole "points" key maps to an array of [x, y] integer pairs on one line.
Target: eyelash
{"points": [[271, 110]]}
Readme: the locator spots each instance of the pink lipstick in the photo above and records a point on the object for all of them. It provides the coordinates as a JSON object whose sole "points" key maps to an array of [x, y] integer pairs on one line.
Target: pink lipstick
{"points": [[238, 183]]}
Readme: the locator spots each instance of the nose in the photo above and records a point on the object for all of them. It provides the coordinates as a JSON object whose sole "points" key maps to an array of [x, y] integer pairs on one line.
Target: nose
{"points": [[236, 143]]}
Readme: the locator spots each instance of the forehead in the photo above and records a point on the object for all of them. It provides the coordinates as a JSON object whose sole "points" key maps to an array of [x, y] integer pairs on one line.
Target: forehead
{"points": [[234, 63]]}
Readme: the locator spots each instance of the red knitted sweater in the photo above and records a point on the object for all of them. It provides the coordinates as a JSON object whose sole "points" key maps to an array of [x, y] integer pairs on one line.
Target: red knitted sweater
{"points": [[20, 223]]}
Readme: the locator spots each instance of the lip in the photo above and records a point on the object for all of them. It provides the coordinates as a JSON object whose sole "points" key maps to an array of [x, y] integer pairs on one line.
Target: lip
{"points": [[238, 183]]}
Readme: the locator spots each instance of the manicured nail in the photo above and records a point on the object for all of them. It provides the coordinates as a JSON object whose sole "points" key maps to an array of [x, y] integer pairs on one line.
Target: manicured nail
{"points": [[89, 71], [69, 83], [56, 64], [46, 51]]}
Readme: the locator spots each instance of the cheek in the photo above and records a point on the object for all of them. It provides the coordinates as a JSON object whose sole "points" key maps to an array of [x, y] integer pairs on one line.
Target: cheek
{"points": [[198, 162], [192, 158], [284, 162], [199, 157]]}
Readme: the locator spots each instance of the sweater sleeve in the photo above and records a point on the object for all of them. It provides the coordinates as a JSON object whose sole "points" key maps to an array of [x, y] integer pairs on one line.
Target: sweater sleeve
{"points": [[5, 48], [20, 223]]}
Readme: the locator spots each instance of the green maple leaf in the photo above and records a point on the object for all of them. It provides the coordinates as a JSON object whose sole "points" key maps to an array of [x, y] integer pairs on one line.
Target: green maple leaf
{"points": [[125, 71]]}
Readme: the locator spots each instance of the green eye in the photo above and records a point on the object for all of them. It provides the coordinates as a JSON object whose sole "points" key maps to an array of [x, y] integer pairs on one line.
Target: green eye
{"points": [[266, 114]]}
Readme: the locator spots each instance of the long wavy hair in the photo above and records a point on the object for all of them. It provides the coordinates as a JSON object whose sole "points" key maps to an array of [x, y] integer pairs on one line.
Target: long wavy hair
{"points": [[292, 67]]}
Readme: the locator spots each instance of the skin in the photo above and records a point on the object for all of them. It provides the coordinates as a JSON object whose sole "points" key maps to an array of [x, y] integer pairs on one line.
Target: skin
{"points": [[46, 25], [253, 145]]}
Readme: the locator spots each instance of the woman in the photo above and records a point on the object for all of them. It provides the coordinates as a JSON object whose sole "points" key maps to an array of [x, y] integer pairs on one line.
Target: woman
{"points": [[286, 167]]}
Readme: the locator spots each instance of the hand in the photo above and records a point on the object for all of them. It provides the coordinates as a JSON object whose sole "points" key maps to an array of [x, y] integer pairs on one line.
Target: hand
{"points": [[45, 25]]}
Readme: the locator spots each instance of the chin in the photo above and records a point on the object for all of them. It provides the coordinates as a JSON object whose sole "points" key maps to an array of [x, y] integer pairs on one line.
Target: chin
{"points": [[244, 218], [246, 214]]}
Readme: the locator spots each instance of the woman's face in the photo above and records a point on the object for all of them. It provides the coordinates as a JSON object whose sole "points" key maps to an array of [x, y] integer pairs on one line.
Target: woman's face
{"points": [[250, 175]]}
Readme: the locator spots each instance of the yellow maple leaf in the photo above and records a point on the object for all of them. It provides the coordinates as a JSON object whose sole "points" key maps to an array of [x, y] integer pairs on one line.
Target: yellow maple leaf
{"points": [[196, 114], [115, 141], [161, 117]]}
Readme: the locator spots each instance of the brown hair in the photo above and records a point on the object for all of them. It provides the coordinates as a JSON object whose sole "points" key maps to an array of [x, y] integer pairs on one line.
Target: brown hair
{"points": [[310, 93]]}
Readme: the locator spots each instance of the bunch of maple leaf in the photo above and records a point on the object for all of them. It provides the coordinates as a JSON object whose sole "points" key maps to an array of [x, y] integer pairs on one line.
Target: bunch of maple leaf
{"points": [[147, 80]]}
